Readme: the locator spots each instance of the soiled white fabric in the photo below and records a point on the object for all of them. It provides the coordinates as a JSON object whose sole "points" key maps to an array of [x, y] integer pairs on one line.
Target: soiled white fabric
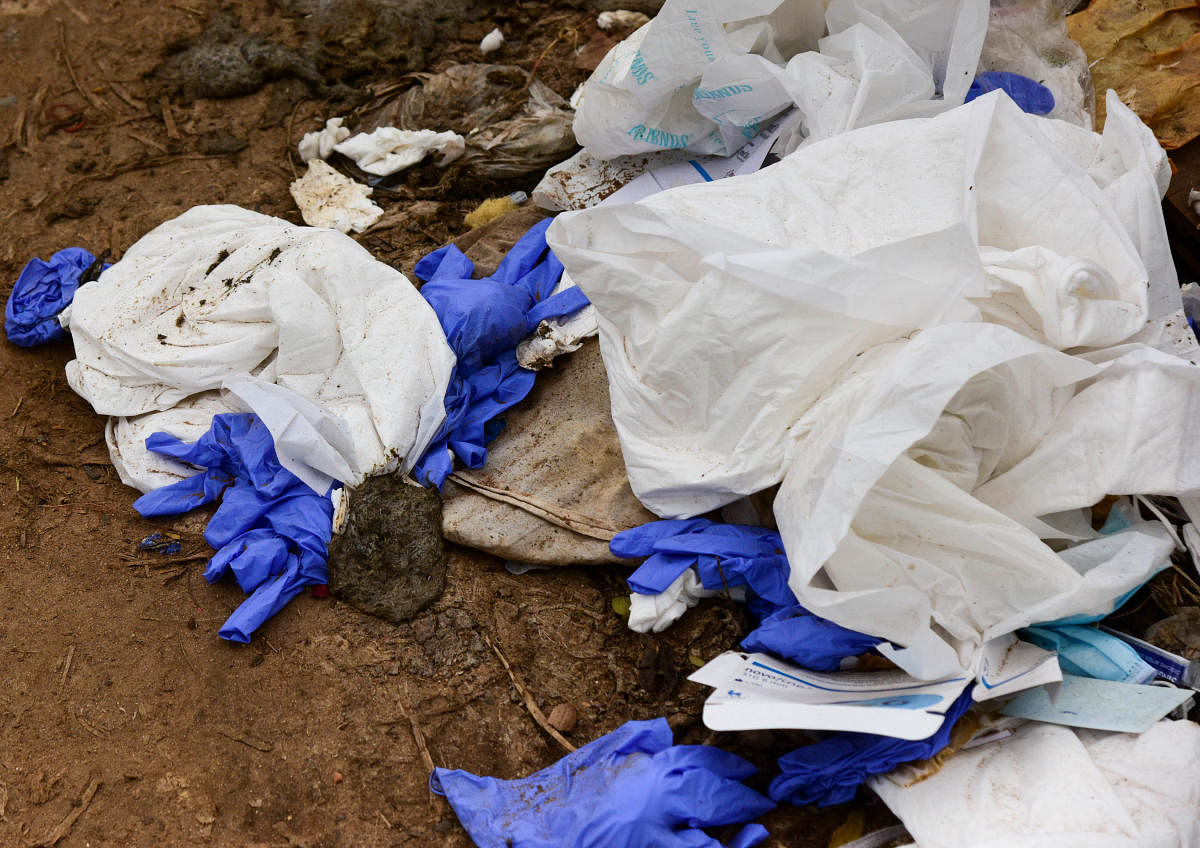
{"points": [[221, 293], [703, 75], [387, 150], [1051, 787], [188, 420]]}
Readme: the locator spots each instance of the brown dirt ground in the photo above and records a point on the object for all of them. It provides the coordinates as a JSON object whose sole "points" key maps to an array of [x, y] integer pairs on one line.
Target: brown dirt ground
{"points": [[111, 669]]}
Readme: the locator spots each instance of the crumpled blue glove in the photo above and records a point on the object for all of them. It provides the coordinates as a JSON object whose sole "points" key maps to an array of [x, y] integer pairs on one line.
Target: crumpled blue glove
{"points": [[808, 640], [724, 556], [483, 321], [830, 771], [271, 530], [43, 290], [1030, 95], [629, 789]]}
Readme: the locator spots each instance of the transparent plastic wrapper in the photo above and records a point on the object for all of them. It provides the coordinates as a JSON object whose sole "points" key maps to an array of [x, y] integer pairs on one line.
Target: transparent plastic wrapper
{"points": [[337, 352], [1029, 37]]}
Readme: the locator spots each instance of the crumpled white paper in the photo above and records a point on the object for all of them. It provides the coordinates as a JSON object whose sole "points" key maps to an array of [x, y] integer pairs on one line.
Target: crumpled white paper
{"points": [[1047, 785], [327, 198], [220, 295], [320, 143], [387, 150]]}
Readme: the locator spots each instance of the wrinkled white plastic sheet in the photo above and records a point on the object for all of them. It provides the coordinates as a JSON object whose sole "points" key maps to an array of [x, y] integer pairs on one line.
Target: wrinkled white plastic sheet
{"points": [[339, 354], [882, 321], [703, 75], [1050, 787]]}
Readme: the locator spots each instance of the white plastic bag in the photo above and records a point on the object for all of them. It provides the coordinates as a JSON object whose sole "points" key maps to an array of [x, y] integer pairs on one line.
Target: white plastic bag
{"points": [[778, 280], [221, 293], [705, 75]]}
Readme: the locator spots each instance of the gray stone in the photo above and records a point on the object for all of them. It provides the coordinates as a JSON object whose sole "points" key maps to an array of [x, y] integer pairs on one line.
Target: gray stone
{"points": [[390, 559]]}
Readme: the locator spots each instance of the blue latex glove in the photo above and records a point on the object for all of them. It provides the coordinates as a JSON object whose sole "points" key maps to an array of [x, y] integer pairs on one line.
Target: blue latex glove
{"points": [[483, 321], [808, 640], [1088, 652], [724, 556], [629, 789], [830, 771], [43, 290], [271, 531], [1030, 95]]}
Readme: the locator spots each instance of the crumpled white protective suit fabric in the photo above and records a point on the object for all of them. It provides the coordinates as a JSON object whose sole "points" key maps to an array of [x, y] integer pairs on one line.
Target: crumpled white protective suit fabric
{"points": [[927, 330], [703, 75], [728, 308], [1053, 787], [221, 294]]}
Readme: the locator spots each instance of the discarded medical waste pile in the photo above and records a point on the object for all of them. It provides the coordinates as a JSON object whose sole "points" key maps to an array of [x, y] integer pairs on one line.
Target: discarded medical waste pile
{"points": [[893, 350]]}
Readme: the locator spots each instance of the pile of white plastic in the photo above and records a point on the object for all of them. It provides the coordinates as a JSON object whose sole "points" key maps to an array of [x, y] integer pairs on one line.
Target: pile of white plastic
{"points": [[947, 331]]}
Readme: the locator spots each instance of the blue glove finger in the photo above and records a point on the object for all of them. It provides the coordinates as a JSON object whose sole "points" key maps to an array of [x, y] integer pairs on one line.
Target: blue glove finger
{"points": [[639, 541], [184, 496], [725, 540], [556, 306], [445, 263], [524, 256], [657, 573], [808, 640], [268, 599], [749, 836], [765, 576]]}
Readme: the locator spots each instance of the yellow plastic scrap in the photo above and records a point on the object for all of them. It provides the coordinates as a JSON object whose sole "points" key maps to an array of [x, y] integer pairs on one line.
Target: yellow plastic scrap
{"points": [[1148, 51]]}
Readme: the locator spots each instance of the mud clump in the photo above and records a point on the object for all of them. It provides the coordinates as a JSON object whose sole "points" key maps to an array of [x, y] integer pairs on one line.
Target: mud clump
{"points": [[390, 560], [351, 37], [224, 61]]}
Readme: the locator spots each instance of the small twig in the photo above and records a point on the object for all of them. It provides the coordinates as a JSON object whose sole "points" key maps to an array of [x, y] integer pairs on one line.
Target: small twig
{"points": [[90, 98], [435, 801], [124, 95], [288, 140], [188, 9], [530, 702], [64, 826], [66, 667], [168, 118], [379, 812], [149, 142], [17, 408], [249, 742]]}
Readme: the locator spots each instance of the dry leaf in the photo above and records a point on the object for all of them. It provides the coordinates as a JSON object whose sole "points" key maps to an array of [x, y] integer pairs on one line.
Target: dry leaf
{"points": [[1148, 51]]}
